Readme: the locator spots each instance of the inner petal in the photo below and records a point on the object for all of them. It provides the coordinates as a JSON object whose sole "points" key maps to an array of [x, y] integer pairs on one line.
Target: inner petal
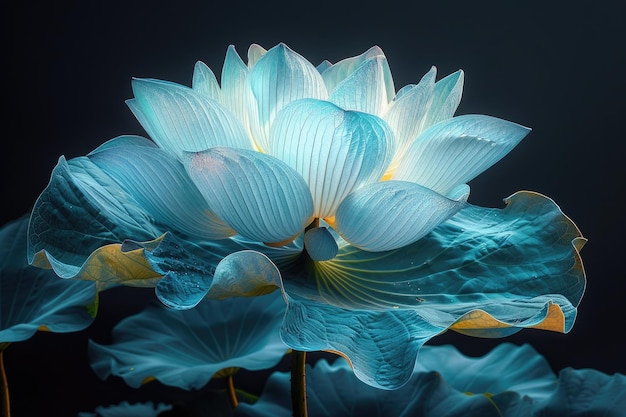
{"points": [[334, 150]]}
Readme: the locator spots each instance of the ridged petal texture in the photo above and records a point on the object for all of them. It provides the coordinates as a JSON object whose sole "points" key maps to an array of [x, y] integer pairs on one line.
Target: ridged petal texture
{"points": [[364, 89], [180, 119], [456, 150], [195, 344], [392, 214], [32, 298], [407, 114], [335, 151], [205, 83], [147, 173], [508, 381], [236, 94], [279, 77], [259, 196], [446, 98]]}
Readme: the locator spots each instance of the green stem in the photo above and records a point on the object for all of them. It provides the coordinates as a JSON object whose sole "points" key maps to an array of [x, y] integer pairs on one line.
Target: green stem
{"points": [[4, 386], [298, 383], [232, 395]]}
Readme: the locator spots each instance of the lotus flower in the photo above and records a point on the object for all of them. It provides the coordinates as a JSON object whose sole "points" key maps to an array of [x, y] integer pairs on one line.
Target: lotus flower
{"points": [[325, 182]]}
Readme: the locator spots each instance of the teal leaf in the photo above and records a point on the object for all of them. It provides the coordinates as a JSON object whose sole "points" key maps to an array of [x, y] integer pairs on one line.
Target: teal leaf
{"points": [[585, 392], [478, 273], [391, 214], [257, 195], [126, 409], [81, 210], [194, 344], [457, 150], [446, 384], [279, 77], [335, 151], [180, 119], [34, 299]]}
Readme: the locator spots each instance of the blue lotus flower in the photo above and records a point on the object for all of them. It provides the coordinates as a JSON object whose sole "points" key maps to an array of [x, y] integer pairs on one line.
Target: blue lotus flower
{"points": [[33, 299], [194, 345], [328, 184], [508, 381]]}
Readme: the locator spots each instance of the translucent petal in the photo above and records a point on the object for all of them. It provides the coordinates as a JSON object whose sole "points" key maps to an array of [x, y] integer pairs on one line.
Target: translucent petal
{"points": [[204, 81], [159, 184], [323, 66], [255, 52], [195, 344], [33, 298], [334, 74], [235, 91], [320, 244], [179, 119], [257, 195], [364, 89], [278, 78], [457, 150], [335, 151], [446, 98], [406, 116], [392, 214]]}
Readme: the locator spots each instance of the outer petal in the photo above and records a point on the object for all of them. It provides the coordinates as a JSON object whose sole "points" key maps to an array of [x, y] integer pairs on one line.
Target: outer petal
{"points": [[204, 81], [179, 119], [457, 150], [195, 344], [278, 78], [160, 185], [392, 214], [257, 195], [33, 299], [335, 151], [365, 89]]}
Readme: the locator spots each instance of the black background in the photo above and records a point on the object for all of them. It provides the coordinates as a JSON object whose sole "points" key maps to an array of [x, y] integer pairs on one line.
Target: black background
{"points": [[554, 66]]}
